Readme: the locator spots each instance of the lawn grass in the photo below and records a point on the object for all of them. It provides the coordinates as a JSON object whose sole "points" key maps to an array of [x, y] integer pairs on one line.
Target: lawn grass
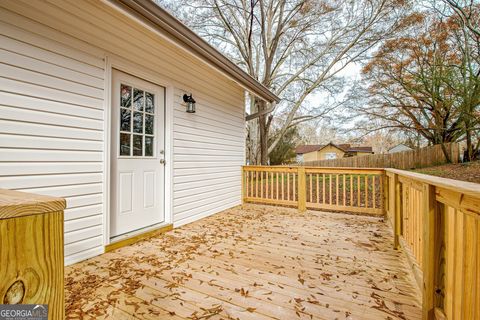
{"points": [[468, 171]]}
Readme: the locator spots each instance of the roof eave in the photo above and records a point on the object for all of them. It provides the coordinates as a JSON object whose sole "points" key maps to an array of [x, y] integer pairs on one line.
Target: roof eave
{"points": [[165, 23]]}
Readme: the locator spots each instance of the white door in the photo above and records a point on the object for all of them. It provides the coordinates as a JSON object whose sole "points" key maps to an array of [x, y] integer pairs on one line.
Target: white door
{"points": [[137, 154]]}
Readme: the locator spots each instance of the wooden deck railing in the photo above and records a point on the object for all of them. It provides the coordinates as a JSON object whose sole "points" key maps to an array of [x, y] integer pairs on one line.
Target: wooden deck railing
{"points": [[435, 221], [339, 189]]}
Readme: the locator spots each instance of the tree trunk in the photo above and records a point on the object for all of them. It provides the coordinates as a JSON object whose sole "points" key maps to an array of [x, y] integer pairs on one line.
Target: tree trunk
{"points": [[468, 136], [263, 140], [253, 134], [263, 133], [446, 153]]}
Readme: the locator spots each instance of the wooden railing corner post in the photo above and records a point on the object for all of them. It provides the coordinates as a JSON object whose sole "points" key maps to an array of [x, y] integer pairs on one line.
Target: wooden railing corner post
{"points": [[32, 248], [397, 209], [429, 234], [242, 172], [302, 189], [384, 193]]}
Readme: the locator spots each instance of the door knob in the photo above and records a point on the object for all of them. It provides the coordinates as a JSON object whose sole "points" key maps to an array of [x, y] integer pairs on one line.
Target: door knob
{"points": [[162, 161]]}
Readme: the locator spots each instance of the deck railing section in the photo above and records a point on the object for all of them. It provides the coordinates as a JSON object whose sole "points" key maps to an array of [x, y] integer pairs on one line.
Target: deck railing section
{"points": [[271, 185], [437, 222], [345, 189], [338, 189]]}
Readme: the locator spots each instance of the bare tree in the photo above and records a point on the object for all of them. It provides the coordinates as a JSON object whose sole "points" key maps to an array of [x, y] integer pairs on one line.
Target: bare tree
{"points": [[297, 48], [427, 81], [466, 30], [467, 12]]}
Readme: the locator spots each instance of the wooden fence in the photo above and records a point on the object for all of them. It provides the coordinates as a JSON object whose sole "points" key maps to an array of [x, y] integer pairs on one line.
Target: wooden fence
{"points": [[339, 189], [412, 159], [436, 221]]}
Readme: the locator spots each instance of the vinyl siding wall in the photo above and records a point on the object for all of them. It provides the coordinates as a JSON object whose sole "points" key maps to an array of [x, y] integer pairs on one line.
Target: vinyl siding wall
{"points": [[52, 109], [208, 153]]}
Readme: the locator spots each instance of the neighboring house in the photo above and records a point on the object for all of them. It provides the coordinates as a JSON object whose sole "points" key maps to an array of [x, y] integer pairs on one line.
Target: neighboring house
{"points": [[307, 153], [92, 109], [399, 148]]}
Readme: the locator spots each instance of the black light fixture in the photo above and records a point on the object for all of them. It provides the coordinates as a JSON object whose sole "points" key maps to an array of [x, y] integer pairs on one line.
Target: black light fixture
{"points": [[190, 103]]}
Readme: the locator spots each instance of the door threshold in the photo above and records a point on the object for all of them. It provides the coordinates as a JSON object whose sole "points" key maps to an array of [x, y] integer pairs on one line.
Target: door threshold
{"points": [[138, 235]]}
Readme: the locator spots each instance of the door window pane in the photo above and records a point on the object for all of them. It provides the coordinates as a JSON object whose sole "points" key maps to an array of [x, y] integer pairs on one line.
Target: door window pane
{"points": [[126, 96], [138, 122], [149, 102], [125, 144], [137, 116], [148, 146], [137, 145], [125, 120], [138, 99], [149, 124]]}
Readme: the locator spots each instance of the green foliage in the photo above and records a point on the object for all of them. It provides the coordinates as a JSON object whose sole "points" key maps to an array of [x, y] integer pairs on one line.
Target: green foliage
{"points": [[284, 151]]}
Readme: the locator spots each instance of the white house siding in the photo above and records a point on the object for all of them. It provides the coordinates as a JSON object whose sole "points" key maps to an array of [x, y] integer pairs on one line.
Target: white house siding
{"points": [[51, 125], [52, 109], [208, 153]]}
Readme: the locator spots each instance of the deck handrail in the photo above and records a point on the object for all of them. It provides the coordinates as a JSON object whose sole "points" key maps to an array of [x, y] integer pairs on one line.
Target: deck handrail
{"points": [[436, 221], [464, 187]]}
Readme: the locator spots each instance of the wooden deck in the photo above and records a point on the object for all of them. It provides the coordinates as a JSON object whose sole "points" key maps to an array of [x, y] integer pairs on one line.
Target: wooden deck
{"points": [[259, 262]]}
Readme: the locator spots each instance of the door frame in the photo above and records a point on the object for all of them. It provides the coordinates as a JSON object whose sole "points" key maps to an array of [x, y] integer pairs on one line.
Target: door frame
{"points": [[114, 62]]}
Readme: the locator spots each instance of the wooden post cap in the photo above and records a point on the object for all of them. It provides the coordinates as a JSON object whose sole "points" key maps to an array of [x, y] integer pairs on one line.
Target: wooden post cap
{"points": [[17, 204]]}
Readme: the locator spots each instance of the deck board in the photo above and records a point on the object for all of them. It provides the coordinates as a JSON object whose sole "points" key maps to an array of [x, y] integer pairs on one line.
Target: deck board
{"points": [[255, 262]]}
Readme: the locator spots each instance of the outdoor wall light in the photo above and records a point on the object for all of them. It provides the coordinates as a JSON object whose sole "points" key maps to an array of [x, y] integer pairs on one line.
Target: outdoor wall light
{"points": [[190, 103]]}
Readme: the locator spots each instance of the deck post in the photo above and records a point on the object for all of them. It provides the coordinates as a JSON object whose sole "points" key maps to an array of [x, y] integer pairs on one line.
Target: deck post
{"points": [[242, 173], [31, 228], [383, 193], [302, 190], [429, 231], [397, 210]]}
